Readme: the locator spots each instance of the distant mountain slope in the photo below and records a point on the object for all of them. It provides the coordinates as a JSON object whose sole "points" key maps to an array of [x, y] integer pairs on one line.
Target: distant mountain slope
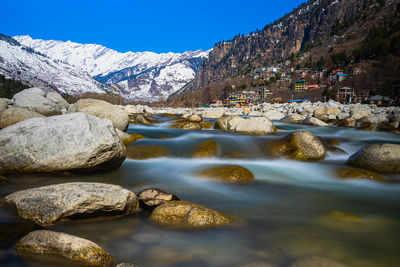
{"points": [[139, 75], [25, 64], [321, 27]]}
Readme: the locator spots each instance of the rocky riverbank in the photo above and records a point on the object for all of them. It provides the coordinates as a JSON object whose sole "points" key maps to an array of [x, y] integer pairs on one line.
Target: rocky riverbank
{"points": [[42, 134]]}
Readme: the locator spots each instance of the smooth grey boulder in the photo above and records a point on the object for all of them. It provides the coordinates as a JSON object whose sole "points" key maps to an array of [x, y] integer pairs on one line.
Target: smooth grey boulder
{"points": [[73, 142], [14, 115], [56, 247], [102, 109], [314, 122], [57, 99], [383, 158], [35, 100], [212, 113], [292, 118], [8, 101], [49, 205], [227, 123], [3, 106], [255, 126], [274, 115], [194, 118]]}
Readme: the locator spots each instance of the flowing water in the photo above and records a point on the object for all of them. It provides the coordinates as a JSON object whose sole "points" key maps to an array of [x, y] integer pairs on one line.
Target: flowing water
{"points": [[292, 210]]}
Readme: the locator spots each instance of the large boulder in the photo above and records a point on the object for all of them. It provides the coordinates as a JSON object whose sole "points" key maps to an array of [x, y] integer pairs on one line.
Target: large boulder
{"points": [[255, 126], [55, 247], [383, 158], [229, 173], [212, 113], [274, 115], [314, 122], [14, 115], [58, 99], [3, 106], [52, 204], [292, 118], [187, 214], [349, 122], [102, 109], [300, 145], [35, 100], [227, 123], [73, 142], [326, 112]]}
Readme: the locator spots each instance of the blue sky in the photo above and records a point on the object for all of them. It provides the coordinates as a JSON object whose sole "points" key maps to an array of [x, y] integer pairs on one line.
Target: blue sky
{"points": [[158, 26]]}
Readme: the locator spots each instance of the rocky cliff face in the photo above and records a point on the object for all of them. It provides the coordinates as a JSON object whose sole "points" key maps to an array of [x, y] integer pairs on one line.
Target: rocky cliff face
{"points": [[305, 26]]}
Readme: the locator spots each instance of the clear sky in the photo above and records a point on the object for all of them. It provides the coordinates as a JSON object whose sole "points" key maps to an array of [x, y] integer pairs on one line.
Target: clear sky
{"points": [[131, 25]]}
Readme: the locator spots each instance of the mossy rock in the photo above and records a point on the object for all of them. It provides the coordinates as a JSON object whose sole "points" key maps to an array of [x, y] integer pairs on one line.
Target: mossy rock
{"points": [[206, 125], [300, 145], [206, 149], [187, 126], [187, 214], [168, 115], [358, 174], [229, 173], [141, 152], [55, 247]]}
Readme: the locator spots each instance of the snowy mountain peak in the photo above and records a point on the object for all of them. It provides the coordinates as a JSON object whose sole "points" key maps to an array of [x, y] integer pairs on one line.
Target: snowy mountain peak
{"points": [[139, 75]]}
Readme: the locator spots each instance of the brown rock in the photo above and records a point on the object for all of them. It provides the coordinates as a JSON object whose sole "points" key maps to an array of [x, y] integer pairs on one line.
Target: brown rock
{"points": [[153, 197], [206, 149], [146, 151], [187, 214], [229, 173], [14, 115], [358, 174]]}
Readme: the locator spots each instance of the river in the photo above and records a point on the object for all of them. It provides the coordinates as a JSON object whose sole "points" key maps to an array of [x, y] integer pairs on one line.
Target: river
{"points": [[293, 209]]}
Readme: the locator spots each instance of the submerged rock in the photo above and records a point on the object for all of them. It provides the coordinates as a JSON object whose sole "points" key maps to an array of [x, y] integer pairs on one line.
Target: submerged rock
{"points": [[206, 149], [102, 109], [186, 125], [315, 261], [153, 197], [255, 126], [187, 214], [140, 119], [229, 173], [358, 174], [383, 158], [35, 100], [14, 115], [300, 145], [72, 142], [194, 118], [227, 123], [56, 247], [141, 152], [206, 125], [52, 204]]}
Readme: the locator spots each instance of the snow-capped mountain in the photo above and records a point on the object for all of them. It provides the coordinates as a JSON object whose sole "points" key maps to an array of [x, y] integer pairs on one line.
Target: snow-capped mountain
{"points": [[22, 63], [139, 75]]}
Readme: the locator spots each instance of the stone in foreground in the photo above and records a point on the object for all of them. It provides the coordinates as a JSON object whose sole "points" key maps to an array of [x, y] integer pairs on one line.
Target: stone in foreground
{"points": [[358, 174], [301, 145], [52, 204], [206, 149], [14, 115], [73, 142], [229, 173], [153, 197], [383, 158], [187, 214], [56, 247]]}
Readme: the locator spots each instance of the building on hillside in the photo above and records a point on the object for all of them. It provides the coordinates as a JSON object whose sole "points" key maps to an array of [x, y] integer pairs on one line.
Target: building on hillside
{"points": [[312, 86], [300, 85], [341, 77], [380, 100], [345, 95]]}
